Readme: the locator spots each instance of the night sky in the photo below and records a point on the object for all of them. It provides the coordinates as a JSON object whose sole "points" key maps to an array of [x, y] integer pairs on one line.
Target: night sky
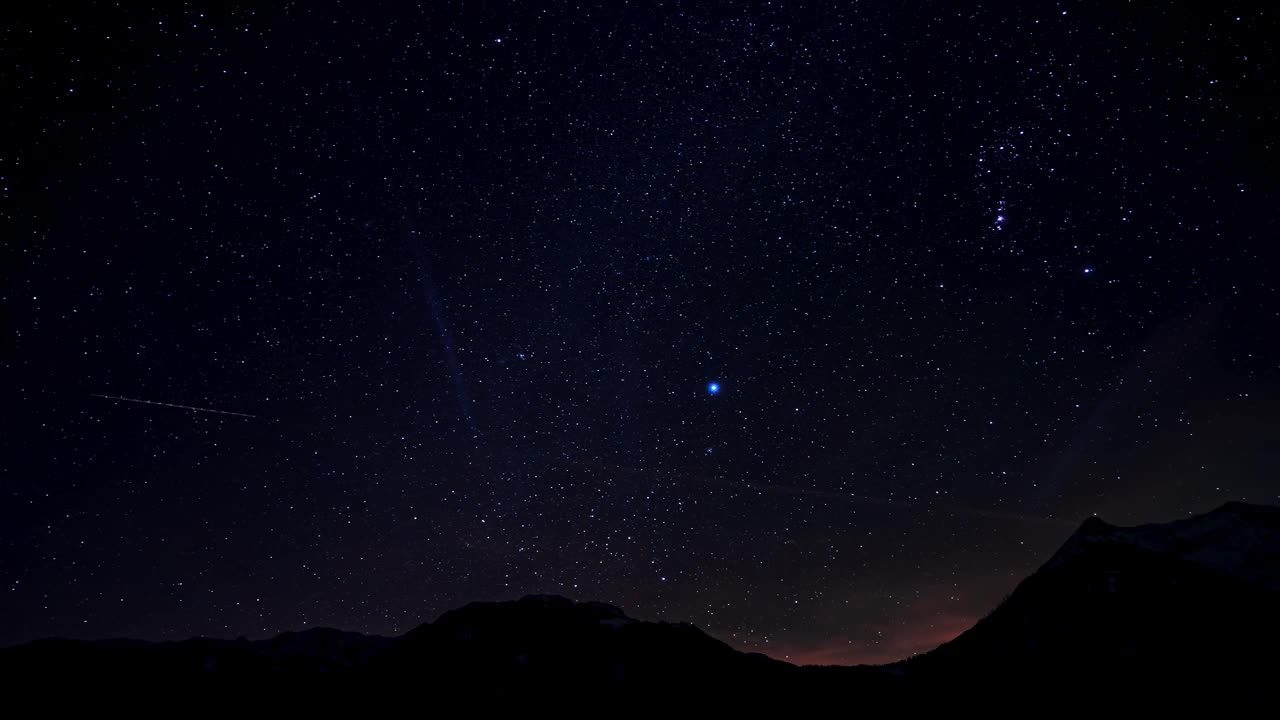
{"points": [[818, 326]]}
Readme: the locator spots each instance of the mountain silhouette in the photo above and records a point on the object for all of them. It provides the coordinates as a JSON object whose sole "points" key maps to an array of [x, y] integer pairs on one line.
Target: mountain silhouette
{"points": [[1190, 602]]}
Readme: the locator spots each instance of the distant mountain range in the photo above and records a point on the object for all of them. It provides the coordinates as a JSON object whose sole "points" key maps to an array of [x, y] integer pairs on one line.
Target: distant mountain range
{"points": [[1188, 606]]}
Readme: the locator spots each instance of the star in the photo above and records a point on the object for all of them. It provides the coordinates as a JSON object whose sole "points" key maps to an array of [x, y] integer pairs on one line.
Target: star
{"points": [[514, 284]]}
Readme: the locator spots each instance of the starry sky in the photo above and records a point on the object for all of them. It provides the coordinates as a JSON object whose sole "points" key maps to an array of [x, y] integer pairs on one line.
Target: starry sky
{"points": [[818, 325]]}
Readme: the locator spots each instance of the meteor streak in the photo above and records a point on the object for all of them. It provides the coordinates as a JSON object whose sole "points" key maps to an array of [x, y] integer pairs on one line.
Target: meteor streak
{"points": [[171, 405]]}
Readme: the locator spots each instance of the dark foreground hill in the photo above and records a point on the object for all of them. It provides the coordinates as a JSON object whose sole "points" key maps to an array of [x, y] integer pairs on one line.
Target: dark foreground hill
{"points": [[1189, 605]]}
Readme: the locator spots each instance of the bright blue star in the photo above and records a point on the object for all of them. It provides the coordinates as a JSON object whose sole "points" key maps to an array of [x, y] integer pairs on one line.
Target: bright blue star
{"points": [[713, 388]]}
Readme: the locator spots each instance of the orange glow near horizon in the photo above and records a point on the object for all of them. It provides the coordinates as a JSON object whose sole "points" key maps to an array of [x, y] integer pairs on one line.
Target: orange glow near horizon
{"points": [[900, 643]]}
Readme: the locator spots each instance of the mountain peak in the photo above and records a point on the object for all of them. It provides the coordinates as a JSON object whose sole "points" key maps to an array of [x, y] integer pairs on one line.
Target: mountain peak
{"points": [[1094, 525], [537, 599], [1115, 602], [1193, 598], [1238, 540]]}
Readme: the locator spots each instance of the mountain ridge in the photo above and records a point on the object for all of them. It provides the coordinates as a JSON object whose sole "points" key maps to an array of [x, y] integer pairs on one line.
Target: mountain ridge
{"points": [[1143, 602], [1189, 599]]}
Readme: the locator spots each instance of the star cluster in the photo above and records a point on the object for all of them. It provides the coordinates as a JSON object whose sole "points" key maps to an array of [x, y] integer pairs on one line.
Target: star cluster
{"points": [[816, 325]]}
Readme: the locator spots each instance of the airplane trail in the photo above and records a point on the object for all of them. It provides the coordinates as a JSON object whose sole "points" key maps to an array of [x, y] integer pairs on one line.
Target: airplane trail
{"points": [[171, 405]]}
